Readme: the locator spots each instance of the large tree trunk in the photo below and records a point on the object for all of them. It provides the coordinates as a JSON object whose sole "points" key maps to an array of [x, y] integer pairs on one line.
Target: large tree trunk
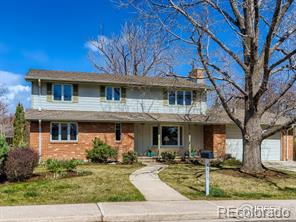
{"points": [[252, 147]]}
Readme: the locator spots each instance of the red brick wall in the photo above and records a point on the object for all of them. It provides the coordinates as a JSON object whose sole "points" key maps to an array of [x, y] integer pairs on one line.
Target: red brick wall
{"points": [[214, 139], [86, 133], [284, 145]]}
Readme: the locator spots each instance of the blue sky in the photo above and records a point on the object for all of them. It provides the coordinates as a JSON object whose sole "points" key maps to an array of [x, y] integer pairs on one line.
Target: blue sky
{"points": [[50, 34]]}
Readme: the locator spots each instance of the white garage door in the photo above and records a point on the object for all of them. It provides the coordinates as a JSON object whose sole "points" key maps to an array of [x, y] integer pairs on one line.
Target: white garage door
{"points": [[270, 149]]}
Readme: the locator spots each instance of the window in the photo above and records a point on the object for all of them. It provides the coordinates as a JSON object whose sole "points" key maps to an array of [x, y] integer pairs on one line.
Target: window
{"points": [[67, 93], [155, 135], [55, 131], [169, 135], [109, 93], [172, 97], [62, 92], [64, 132], [57, 92], [180, 98], [113, 93], [188, 98], [181, 136], [118, 132]]}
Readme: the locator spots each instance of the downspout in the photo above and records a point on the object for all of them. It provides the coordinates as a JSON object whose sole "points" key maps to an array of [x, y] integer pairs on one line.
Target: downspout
{"points": [[287, 147], [39, 94], [40, 140], [39, 123]]}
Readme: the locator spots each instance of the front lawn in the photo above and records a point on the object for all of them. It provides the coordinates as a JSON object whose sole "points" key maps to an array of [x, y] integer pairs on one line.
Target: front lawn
{"points": [[105, 183], [229, 183]]}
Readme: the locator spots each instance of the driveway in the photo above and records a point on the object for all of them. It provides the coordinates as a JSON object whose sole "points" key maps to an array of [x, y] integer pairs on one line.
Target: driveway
{"points": [[281, 165]]}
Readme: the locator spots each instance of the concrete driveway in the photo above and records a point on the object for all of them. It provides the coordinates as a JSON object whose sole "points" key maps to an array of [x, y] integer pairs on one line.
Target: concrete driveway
{"points": [[281, 165]]}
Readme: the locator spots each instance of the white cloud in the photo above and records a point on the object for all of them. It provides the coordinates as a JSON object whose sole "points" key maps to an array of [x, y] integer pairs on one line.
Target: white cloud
{"points": [[17, 90], [93, 44]]}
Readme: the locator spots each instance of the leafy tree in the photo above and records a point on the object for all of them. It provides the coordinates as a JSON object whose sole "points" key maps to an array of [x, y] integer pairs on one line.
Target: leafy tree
{"points": [[19, 127], [3, 152]]}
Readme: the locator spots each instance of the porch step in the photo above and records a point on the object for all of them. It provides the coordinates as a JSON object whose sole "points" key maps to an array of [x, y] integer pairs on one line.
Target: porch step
{"points": [[146, 159]]}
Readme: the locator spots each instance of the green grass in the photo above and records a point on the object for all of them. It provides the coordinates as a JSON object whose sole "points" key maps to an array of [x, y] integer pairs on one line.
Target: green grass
{"points": [[105, 183], [229, 183]]}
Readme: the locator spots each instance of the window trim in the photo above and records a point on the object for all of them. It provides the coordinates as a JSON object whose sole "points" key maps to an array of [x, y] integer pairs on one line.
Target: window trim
{"points": [[113, 100], [160, 129], [120, 132], [62, 92], [60, 131], [176, 97]]}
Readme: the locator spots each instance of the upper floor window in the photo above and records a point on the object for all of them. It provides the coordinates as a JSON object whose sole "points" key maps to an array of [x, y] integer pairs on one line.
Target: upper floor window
{"points": [[64, 132], [113, 93], [62, 92], [180, 98]]}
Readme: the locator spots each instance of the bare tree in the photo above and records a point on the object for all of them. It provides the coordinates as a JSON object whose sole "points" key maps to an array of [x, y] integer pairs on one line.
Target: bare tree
{"points": [[256, 38], [5, 121], [138, 50]]}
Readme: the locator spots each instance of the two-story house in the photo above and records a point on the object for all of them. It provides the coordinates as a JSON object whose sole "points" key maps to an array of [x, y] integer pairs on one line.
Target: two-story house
{"points": [[70, 109]]}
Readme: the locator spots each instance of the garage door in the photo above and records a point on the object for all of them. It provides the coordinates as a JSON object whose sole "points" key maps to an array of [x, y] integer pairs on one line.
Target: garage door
{"points": [[270, 149]]}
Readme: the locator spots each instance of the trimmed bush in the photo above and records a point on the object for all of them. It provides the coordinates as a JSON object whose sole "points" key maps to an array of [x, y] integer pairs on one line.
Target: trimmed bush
{"points": [[4, 148], [71, 165], [20, 164], [168, 156], [130, 157], [101, 152]]}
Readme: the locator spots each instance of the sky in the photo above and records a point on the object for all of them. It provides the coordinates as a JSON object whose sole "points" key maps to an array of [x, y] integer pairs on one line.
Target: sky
{"points": [[50, 34]]}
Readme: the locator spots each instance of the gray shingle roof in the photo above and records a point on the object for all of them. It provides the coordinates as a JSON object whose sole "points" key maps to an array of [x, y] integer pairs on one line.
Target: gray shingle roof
{"points": [[91, 77], [212, 117]]}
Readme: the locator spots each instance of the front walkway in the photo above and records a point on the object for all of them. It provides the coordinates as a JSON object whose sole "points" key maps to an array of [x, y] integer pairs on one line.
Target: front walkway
{"points": [[146, 180], [281, 165]]}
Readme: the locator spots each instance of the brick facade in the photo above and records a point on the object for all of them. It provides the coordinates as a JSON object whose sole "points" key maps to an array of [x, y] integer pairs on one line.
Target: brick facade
{"points": [[86, 133], [214, 139], [284, 139]]}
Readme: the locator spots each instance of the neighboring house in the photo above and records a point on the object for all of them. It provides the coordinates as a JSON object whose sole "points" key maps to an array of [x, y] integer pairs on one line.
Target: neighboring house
{"points": [[70, 109]]}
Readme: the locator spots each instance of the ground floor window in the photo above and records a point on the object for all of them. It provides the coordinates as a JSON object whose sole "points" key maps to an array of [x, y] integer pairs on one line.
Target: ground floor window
{"points": [[170, 135], [63, 131], [118, 132]]}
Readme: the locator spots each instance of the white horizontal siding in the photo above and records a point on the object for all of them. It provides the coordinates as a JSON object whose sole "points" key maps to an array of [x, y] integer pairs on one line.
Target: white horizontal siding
{"points": [[137, 100], [270, 147]]}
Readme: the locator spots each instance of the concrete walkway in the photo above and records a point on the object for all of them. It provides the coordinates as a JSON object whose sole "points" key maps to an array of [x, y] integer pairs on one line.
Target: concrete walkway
{"points": [[146, 180], [149, 211]]}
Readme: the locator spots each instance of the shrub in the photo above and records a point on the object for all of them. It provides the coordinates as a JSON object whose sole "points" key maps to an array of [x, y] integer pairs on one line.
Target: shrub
{"points": [[101, 152], [3, 153], [232, 162], [20, 164], [71, 165], [168, 156], [54, 166], [130, 157], [57, 167]]}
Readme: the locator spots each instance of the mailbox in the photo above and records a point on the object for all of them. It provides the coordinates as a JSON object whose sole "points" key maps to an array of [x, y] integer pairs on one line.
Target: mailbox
{"points": [[206, 154]]}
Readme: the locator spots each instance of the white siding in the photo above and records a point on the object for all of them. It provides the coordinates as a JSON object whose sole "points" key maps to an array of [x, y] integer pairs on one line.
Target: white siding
{"points": [[137, 100], [143, 138], [270, 148]]}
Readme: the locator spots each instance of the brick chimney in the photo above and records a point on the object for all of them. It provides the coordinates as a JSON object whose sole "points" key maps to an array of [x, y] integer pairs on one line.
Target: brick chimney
{"points": [[197, 74]]}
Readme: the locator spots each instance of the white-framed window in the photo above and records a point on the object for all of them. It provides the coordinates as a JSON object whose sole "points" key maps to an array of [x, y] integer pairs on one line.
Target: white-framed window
{"points": [[180, 98], [62, 92], [63, 132], [118, 132], [169, 135], [113, 93]]}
